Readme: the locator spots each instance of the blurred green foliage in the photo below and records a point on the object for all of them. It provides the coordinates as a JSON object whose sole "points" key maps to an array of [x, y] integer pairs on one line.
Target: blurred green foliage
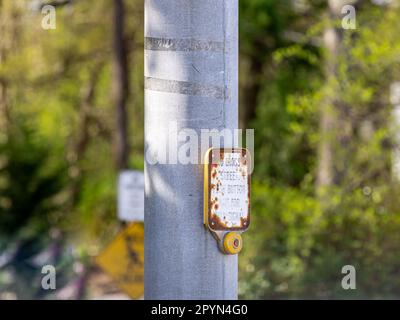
{"points": [[29, 183], [298, 242]]}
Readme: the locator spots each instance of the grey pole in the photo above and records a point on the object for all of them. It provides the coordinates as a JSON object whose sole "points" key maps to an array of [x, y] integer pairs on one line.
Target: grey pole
{"points": [[191, 79]]}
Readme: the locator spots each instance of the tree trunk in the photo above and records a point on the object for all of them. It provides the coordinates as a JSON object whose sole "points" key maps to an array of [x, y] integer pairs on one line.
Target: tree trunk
{"points": [[86, 118], [4, 106], [120, 87], [328, 111]]}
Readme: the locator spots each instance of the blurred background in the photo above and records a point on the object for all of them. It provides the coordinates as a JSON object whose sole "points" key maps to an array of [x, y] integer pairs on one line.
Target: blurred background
{"points": [[324, 100]]}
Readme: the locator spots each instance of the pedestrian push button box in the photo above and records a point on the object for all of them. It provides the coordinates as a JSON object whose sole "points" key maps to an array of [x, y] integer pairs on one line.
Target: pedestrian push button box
{"points": [[227, 182]]}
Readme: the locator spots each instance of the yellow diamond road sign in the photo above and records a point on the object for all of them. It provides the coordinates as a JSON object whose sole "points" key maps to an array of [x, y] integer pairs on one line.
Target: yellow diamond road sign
{"points": [[123, 259]]}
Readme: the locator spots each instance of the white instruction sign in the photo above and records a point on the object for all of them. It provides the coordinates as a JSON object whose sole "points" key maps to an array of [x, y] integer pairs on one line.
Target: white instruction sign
{"points": [[229, 191], [131, 196]]}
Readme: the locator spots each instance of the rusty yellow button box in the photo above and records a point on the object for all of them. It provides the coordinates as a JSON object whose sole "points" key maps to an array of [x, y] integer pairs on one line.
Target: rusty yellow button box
{"points": [[227, 184]]}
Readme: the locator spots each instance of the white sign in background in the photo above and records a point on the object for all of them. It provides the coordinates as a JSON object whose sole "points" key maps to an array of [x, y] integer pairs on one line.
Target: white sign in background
{"points": [[131, 196]]}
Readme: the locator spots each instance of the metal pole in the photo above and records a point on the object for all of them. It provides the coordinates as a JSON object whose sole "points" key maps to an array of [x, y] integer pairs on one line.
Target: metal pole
{"points": [[191, 79]]}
